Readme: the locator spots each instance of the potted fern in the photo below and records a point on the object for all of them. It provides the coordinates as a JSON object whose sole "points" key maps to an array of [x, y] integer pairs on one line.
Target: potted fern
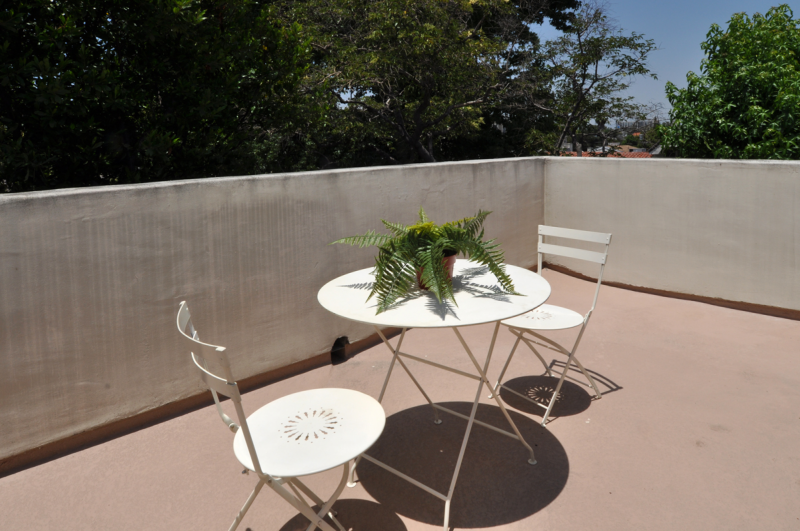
{"points": [[423, 254]]}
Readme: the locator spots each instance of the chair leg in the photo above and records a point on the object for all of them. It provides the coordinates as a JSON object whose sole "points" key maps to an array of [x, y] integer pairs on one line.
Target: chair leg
{"points": [[247, 505], [571, 358], [297, 484], [558, 388], [591, 380], [575, 359], [533, 349], [511, 355], [302, 506], [327, 506], [351, 481]]}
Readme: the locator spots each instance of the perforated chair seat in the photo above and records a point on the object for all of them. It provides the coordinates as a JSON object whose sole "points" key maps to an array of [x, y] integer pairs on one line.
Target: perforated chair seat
{"points": [[311, 431], [546, 317]]}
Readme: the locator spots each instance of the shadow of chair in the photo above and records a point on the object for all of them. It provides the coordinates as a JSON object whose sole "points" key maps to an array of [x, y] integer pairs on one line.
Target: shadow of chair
{"points": [[572, 399]]}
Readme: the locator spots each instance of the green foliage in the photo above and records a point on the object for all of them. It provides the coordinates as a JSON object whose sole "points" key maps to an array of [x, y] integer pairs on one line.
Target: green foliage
{"points": [[631, 140], [586, 70], [99, 92], [417, 80], [652, 136], [422, 247], [110, 91], [745, 104]]}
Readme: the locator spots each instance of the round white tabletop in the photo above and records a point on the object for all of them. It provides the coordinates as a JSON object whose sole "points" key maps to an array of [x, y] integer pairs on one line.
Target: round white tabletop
{"points": [[478, 294]]}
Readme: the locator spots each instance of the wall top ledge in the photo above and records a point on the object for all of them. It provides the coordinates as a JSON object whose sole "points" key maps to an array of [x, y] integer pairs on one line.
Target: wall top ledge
{"points": [[388, 170], [118, 188], [662, 160]]}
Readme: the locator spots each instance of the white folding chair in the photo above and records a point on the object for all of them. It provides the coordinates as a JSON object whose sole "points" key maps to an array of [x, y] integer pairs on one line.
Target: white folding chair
{"points": [[549, 317], [297, 435]]}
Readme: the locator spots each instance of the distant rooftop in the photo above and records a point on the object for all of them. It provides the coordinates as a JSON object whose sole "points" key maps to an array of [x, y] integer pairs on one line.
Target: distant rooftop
{"points": [[619, 154]]}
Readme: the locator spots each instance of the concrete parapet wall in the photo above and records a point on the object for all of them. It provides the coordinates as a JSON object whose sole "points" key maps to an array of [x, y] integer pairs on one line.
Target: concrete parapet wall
{"points": [[91, 278], [720, 229]]}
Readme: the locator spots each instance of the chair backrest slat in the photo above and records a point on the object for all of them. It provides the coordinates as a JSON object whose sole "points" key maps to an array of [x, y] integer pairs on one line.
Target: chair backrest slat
{"points": [[183, 320], [220, 385], [210, 353], [571, 252], [205, 351], [573, 234]]}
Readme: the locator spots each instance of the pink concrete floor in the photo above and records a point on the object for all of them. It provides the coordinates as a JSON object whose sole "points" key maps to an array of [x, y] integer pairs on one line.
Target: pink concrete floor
{"points": [[698, 428]]}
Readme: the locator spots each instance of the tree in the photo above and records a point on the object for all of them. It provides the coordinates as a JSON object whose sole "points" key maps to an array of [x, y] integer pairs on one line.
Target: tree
{"points": [[406, 79], [745, 104], [631, 140], [111, 91], [587, 68], [651, 136]]}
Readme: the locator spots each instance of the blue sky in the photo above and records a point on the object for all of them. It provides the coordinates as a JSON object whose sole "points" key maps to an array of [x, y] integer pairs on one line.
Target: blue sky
{"points": [[677, 27]]}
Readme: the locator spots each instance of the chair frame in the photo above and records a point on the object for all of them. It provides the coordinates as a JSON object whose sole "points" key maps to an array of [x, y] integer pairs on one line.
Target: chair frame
{"points": [[201, 354], [542, 341]]}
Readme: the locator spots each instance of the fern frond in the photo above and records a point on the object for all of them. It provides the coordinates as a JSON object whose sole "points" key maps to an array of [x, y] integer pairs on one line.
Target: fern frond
{"points": [[472, 226], [398, 229], [398, 282], [454, 233], [423, 218], [490, 255], [434, 275], [394, 274], [366, 240], [459, 222]]}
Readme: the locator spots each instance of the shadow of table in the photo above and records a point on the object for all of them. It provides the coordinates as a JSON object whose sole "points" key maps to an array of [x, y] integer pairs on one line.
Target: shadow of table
{"points": [[496, 485]]}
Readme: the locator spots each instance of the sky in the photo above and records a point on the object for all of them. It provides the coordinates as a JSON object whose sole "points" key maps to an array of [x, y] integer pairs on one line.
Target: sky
{"points": [[677, 27]]}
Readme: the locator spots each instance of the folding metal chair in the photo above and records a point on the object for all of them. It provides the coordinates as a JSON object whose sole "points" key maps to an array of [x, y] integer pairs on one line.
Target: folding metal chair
{"points": [[549, 317], [297, 435]]}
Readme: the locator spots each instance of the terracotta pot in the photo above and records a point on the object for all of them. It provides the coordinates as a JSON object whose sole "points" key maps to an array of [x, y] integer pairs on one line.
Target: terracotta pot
{"points": [[448, 261]]}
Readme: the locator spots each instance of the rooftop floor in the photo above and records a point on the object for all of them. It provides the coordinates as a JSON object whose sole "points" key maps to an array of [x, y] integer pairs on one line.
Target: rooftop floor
{"points": [[698, 428]]}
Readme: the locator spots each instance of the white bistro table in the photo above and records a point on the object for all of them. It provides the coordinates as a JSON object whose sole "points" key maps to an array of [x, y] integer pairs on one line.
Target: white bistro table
{"points": [[480, 300]]}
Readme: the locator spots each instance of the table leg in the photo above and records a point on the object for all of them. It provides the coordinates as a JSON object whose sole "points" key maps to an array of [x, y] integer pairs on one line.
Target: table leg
{"points": [[396, 357], [470, 422], [496, 396]]}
